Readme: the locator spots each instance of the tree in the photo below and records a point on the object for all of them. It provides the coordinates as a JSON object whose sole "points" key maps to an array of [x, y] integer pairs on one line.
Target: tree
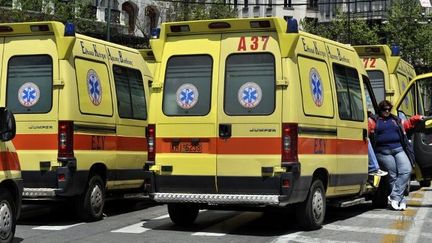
{"points": [[409, 28], [78, 12], [198, 10], [345, 30]]}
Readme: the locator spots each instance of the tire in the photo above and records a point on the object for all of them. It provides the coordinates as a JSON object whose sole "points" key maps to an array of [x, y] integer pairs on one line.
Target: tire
{"points": [[425, 183], [90, 204], [379, 199], [7, 216], [311, 213], [183, 214]]}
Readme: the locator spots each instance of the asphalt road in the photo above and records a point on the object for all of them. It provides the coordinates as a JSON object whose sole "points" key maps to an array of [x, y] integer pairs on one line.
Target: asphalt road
{"points": [[143, 221]]}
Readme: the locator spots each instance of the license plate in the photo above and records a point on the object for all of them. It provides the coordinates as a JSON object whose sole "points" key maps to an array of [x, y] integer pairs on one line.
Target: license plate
{"points": [[186, 148]]}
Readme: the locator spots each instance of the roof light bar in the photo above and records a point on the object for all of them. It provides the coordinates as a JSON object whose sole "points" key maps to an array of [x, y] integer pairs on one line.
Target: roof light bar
{"points": [[260, 24], [180, 28], [39, 28], [372, 50], [6, 29], [219, 25]]}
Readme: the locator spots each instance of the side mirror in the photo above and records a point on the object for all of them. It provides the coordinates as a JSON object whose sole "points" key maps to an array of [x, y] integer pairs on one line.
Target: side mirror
{"points": [[7, 125]]}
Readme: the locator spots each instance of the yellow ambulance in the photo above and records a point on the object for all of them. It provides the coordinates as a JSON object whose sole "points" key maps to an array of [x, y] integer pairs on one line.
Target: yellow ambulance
{"points": [[253, 112], [81, 110], [149, 59], [389, 76], [10, 178]]}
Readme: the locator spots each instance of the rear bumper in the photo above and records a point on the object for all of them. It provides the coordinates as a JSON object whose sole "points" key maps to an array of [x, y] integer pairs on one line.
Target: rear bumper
{"points": [[259, 191], [46, 184], [228, 199]]}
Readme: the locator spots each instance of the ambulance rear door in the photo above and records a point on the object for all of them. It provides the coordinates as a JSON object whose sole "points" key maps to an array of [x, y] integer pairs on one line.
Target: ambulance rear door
{"points": [[249, 114], [31, 67], [186, 126]]}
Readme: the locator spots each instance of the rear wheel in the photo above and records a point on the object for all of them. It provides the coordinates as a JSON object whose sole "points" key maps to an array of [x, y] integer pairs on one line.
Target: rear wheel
{"points": [[7, 216], [90, 205], [310, 214], [183, 214]]}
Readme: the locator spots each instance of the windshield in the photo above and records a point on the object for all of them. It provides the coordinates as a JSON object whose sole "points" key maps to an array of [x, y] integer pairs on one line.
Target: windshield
{"points": [[422, 91]]}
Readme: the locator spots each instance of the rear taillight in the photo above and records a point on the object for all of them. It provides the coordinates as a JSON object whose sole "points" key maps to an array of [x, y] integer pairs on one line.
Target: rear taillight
{"points": [[289, 142], [151, 142], [65, 139]]}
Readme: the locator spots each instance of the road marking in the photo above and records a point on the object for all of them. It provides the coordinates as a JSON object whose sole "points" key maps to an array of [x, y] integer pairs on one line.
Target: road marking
{"points": [[161, 217], [362, 229], [56, 227], [420, 218], [305, 239], [208, 234], [385, 216], [132, 229], [373, 230]]}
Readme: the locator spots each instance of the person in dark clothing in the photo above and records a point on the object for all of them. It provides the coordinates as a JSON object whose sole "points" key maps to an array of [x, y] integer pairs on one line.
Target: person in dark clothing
{"points": [[393, 150]]}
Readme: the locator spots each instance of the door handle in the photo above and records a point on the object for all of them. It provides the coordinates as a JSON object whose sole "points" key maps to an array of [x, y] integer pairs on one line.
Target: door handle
{"points": [[225, 131]]}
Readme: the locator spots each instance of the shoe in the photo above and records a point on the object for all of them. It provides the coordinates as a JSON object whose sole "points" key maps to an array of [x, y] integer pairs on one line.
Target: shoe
{"points": [[402, 206], [393, 204], [379, 173]]}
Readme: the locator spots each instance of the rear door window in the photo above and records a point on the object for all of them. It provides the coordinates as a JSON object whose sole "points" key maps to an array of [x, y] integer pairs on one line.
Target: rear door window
{"points": [[250, 84], [187, 86], [29, 84], [377, 81]]}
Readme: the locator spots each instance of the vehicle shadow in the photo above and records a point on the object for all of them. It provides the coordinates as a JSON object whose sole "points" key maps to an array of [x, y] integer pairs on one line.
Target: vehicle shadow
{"points": [[272, 223], [63, 213], [17, 239]]}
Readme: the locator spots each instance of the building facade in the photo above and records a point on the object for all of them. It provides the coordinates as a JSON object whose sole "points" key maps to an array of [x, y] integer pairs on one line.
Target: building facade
{"points": [[134, 17]]}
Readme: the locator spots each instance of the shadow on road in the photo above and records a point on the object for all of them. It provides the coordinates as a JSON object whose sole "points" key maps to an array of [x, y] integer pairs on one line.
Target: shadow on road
{"points": [[272, 223], [64, 212]]}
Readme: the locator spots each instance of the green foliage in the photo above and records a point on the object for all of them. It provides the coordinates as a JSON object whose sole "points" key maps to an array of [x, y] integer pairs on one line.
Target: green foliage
{"points": [[198, 10], [78, 12], [409, 28], [220, 11], [344, 29], [406, 25]]}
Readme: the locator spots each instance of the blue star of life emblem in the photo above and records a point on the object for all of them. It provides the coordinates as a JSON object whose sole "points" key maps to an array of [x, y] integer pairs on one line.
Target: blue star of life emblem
{"points": [[249, 95], [316, 86], [94, 87], [28, 94], [187, 96]]}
